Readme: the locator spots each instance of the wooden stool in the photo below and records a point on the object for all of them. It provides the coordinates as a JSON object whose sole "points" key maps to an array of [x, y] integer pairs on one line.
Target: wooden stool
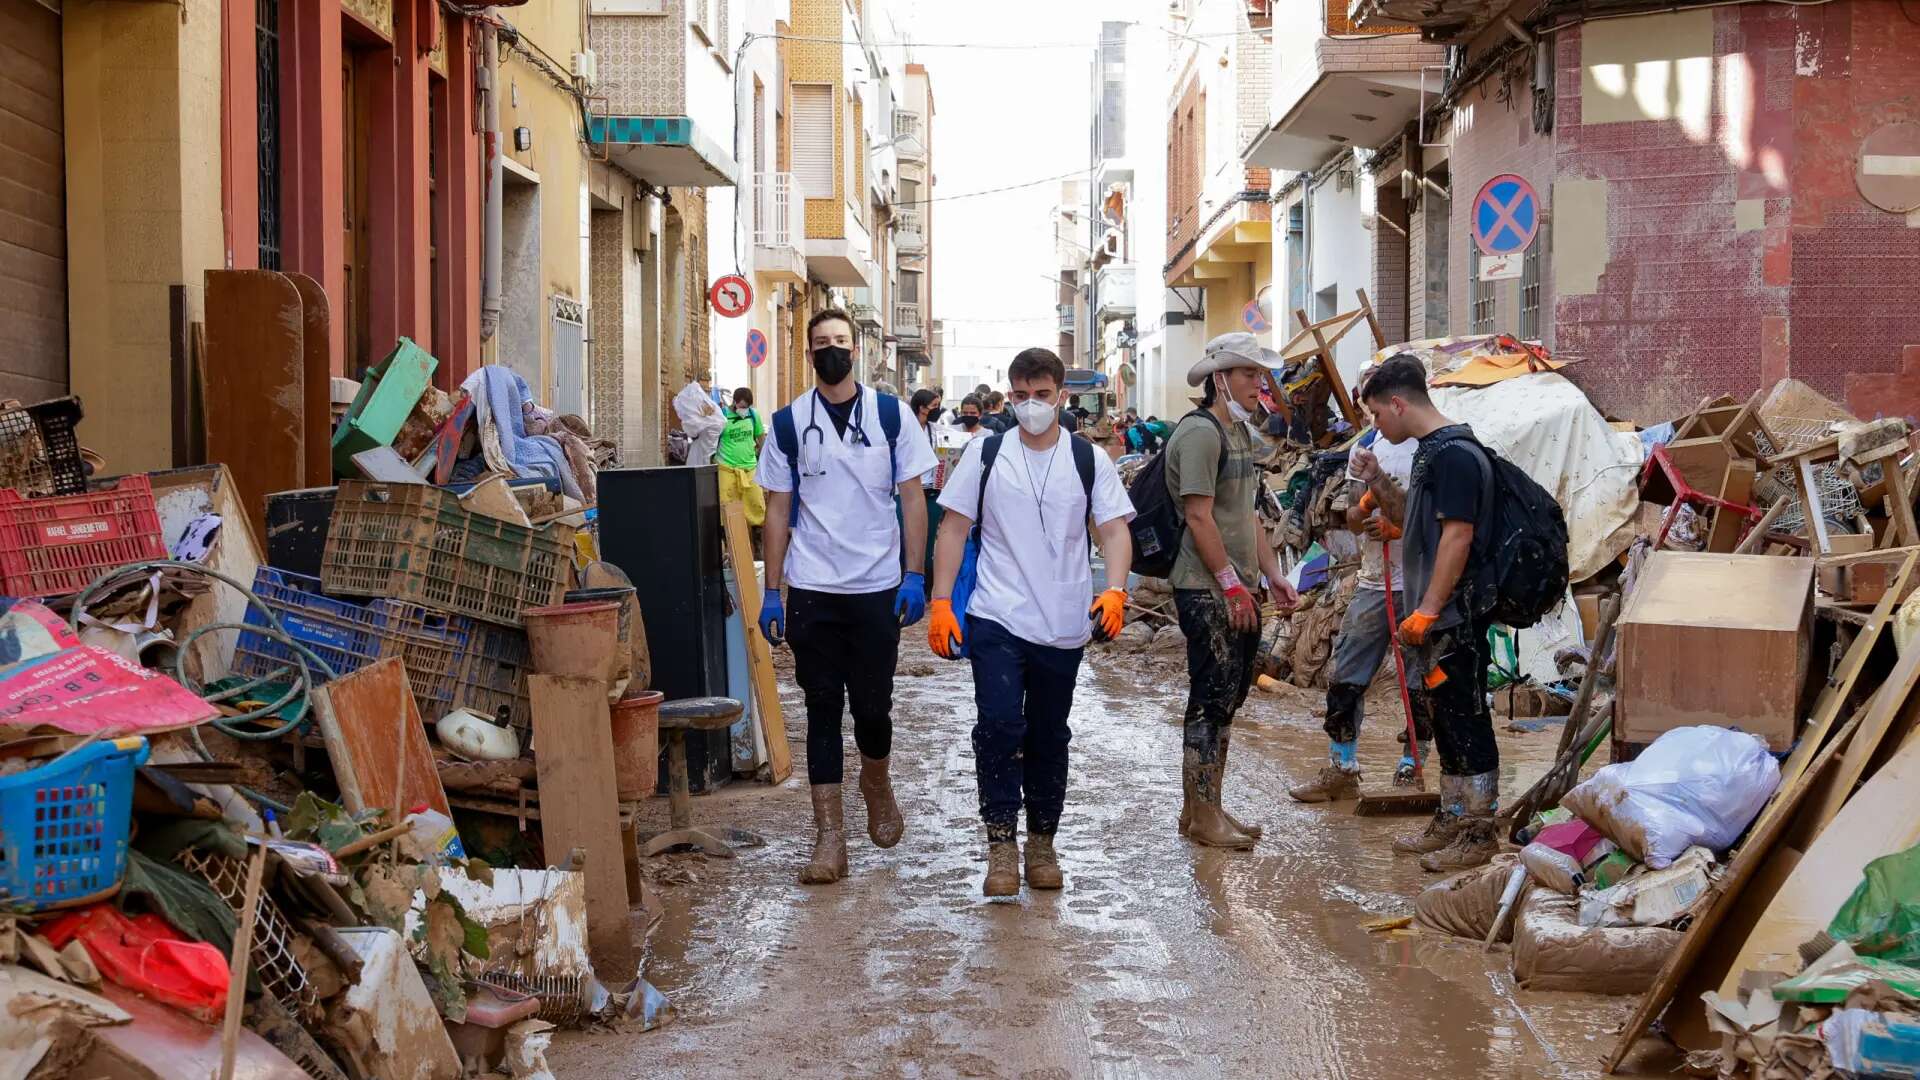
{"points": [[676, 719]]}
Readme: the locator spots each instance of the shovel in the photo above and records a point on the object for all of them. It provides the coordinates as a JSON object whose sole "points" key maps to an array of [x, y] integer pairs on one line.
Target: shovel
{"points": [[1399, 800]]}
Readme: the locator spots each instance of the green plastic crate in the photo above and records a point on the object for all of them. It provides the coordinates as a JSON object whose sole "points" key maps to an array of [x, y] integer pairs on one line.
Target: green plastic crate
{"points": [[386, 398]]}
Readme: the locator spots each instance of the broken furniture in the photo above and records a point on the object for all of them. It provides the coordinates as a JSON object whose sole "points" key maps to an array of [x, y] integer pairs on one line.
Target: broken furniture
{"points": [[1676, 482], [1688, 616], [385, 401], [1313, 346], [676, 719]]}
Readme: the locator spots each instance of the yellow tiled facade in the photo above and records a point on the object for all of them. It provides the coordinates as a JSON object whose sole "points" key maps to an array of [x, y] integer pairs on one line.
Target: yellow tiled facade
{"points": [[822, 61]]}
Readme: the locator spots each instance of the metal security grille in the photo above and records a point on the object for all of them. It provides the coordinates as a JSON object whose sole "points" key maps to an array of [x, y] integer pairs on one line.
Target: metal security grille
{"points": [[266, 38], [1480, 300], [1530, 287]]}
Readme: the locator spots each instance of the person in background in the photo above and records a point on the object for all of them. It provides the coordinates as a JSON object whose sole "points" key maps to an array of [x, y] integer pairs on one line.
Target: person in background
{"points": [[971, 419], [1449, 491], [1224, 556], [739, 453], [926, 409], [996, 418], [839, 458], [1028, 622]]}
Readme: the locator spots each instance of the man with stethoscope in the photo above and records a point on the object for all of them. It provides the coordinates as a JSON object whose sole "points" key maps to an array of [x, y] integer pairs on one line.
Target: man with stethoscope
{"points": [[831, 471]]}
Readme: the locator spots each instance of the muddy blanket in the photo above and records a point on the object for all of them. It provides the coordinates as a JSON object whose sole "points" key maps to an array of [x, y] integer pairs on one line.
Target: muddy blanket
{"points": [[1552, 951]]}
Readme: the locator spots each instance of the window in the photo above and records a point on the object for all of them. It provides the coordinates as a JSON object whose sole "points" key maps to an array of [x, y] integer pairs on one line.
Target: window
{"points": [[709, 19], [813, 139], [1479, 299], [909, 290], [1530, 328]]}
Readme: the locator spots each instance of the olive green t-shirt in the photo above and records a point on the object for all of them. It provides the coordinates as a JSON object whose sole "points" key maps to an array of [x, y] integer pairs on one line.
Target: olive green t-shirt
{"points": [[1193, 466]]}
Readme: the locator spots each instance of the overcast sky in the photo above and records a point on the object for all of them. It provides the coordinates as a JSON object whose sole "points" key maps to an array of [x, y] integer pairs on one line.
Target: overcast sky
{"points": [[1001, 117]]}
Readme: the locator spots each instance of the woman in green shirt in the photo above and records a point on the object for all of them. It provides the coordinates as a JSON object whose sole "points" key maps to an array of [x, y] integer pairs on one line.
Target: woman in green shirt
{"points": [[739, 453]]}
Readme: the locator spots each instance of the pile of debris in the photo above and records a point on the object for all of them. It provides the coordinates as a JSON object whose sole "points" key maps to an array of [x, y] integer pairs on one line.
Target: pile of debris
{"points": [[281, 803]]}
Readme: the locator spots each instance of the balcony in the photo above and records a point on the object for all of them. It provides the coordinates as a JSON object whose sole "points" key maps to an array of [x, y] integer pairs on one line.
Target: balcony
{"points": [[1114, 285], [1067, 320], [909, 133], [906, 324], [777, 251], [664, 108], [910, 236], [865, 315], [839, 248], [1445, 22], [1338, 88]]}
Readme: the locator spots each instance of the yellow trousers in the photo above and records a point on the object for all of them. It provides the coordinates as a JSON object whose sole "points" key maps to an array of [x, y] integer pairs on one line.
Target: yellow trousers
{"points": [[736, 485]]}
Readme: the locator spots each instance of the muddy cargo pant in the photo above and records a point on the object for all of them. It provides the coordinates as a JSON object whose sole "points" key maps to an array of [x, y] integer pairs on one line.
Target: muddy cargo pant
{"points": [[844, 646], [1462, 721], [1219, 670], [1024, 693], [1357, 653]]}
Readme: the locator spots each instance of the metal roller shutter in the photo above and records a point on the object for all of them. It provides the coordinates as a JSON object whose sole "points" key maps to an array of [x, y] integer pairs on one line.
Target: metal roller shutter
{"points": [[813, 141], [33, 222]]}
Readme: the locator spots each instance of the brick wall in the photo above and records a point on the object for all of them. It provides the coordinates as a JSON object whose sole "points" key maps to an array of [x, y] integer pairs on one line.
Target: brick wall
{"points": [[1492, 137], [1253, 83], [1185, 154], [1390, 268], [1405, 52], [697, 361]]}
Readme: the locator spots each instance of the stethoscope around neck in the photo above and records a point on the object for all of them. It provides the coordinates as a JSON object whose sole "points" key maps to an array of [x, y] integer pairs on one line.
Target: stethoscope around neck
{"points": [[856, 428]]}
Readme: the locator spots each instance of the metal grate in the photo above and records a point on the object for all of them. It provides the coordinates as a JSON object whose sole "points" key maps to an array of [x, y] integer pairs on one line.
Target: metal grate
{"points": [[266, 39], [272, 953], [1480, 301], [1530, 287]]}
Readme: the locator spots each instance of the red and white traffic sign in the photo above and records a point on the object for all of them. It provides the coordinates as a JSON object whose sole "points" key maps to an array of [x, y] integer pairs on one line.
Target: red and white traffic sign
{"points": [[731, 296]]}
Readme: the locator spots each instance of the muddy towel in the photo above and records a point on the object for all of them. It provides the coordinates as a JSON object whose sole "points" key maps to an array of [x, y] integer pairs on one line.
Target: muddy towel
{"points": [[1466, 904], [1552, 951]]}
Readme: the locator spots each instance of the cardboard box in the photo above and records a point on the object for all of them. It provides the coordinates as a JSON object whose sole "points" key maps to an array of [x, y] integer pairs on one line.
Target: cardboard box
{"points": [[1715, 639]]}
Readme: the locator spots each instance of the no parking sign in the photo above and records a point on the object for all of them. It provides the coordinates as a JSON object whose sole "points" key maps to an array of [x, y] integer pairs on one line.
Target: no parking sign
{"points": [[1506, 215], [756, 348]]}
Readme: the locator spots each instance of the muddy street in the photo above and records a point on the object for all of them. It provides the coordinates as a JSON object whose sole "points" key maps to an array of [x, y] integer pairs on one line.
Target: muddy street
{"points": [[1159, 959]]}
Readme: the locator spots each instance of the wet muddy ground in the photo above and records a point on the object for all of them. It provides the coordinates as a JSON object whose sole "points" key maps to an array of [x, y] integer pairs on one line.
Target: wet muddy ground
{"points": [[1159, 959]]}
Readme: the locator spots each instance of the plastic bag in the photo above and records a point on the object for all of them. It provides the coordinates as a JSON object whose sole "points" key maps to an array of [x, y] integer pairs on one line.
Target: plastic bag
{"points": [[700, 418], [1694, 785], [146, 955], [1882, 917]]}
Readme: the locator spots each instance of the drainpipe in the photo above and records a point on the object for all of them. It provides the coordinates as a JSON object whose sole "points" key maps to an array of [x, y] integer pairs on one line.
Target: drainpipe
{"points": [[493, 177]]}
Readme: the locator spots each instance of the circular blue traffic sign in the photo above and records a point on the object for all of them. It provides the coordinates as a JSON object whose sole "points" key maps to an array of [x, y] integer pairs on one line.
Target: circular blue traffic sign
{"points": [[756, 348], [1506, 216]]}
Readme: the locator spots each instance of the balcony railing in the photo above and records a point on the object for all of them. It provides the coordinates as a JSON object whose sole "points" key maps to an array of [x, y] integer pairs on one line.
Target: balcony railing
{"points": [[1115, 286], [906, 322], [776, 211], [864, 314], [909, 135], [911, 236]]}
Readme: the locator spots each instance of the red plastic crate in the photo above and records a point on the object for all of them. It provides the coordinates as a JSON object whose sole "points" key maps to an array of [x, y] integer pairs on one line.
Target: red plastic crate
{"points": [[57, 546]]}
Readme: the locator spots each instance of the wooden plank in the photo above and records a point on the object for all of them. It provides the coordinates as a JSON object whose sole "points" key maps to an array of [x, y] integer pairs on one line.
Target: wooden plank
{"points": [[180, 495], [316, 396], [1751, 857], [1373, 323], [377, 744], [766, 688], [1736, 487], [580, 809], [1811, 509], [255, 384], [1330, 370], [1700, 461], [1888, 702], [1740, 435], [1900, 503], [1758, 534]]}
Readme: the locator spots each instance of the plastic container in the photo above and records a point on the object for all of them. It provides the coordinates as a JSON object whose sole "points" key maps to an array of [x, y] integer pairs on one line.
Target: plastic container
{"points": [[492, 680], [57, 420], [56, 546], [63, 827], [1553, 869], [432, 832], [576, 639], [415, 542], [636, 744], [386, 398]]}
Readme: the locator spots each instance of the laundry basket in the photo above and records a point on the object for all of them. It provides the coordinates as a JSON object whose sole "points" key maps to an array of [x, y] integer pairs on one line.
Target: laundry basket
{"points": [[63, 827]]}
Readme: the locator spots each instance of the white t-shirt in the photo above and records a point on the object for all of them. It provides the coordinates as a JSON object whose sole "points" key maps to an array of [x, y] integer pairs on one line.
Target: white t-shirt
{"points": [[847, 539], [1396, 461], [1035, 573]]}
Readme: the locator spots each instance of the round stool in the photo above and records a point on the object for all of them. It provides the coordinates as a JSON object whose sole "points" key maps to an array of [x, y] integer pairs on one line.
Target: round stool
{"points": [[676, 719]]}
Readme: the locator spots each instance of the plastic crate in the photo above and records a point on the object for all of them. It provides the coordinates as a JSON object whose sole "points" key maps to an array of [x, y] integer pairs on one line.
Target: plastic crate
{"points": [[58, 420], [56, 546], [416, 542], [494, 675], [64, 825], [348, 636]]}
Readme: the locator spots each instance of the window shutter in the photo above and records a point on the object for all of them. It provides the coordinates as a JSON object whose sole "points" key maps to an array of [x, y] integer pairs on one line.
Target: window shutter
{"points": [[813, 139]]}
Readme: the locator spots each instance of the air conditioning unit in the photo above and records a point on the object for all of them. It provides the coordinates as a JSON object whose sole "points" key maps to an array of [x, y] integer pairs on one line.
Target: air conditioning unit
{"points": [[586, 68], [1110, 245]]}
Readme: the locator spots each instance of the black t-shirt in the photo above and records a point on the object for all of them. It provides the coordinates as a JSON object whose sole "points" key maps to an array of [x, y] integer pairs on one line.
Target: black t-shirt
{"points": [[841, 412], [1448, 483], [1069, 421]]}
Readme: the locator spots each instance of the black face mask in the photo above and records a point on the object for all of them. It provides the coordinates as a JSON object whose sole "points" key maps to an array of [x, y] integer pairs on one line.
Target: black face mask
{"points": [[969, 421], [833, 364]]}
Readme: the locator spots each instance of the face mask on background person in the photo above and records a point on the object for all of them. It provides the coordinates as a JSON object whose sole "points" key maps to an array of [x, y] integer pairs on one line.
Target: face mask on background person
{"points": [[1035, 416], [969, 421], [1234, 409], [833, 363]]}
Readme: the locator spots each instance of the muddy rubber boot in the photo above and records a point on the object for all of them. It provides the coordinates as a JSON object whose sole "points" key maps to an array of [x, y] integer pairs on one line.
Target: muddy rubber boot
{"points": [[1444, 824], [1043, 866], [1207, 824], [1332, 785], [1226, 744], [1003, 869], [1476, 842], [885, 825], [829, 862]]}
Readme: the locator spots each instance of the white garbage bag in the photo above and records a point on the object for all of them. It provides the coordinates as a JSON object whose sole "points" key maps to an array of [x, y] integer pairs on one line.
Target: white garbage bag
{"points": [[1694, 785], [700, 418]]}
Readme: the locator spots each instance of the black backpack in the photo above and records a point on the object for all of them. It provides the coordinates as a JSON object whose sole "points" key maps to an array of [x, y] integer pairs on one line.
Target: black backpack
{"points": [[1158, 518], [1519, 567]]}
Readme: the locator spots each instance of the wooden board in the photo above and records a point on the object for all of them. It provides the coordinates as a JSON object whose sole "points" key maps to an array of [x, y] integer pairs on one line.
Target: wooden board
{"points": [[180, 495], [1881, 818], [316, 396], [1744, 871], [766, 688], [1900, 503], [377, 744], [1736, 487], [1889, 702], [580, 808], [255, 384], [1701, 462]]}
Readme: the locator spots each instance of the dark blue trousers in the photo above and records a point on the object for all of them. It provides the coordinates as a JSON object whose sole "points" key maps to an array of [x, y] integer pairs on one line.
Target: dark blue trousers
{"points": [[1024, 693]]}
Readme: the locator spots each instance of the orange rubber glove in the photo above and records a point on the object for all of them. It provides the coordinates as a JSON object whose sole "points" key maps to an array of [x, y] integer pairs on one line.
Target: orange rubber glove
{"points": [[1413, 629], [1109, 614], [1381, 529], [943, 630], [1367, 501]]}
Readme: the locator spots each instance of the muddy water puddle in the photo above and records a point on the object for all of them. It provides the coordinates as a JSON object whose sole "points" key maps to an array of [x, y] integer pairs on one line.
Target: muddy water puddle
{"points": [[1159, 959]]}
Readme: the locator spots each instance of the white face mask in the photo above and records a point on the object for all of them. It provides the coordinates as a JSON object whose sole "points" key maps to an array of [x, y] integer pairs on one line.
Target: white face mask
{"points": [[1234, 409], [1035, 416]]}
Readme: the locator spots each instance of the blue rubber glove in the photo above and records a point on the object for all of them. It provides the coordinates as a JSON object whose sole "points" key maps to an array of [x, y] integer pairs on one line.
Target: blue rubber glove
{"points": [[910, 603], [773, 618]]}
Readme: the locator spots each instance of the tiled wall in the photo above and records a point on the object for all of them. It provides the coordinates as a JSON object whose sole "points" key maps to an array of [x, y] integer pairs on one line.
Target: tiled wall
{"points": [[643, 62]]}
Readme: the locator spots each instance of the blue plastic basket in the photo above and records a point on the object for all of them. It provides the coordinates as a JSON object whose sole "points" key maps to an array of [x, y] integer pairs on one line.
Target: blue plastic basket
{"points": [[63, 827]]}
